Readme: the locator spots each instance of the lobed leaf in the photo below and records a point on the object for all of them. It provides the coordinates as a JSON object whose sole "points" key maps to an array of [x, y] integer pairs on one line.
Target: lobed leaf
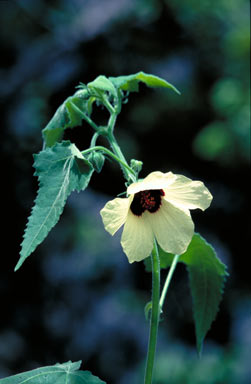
{"points": [[130, 83], [55, 374], [61, 169]]}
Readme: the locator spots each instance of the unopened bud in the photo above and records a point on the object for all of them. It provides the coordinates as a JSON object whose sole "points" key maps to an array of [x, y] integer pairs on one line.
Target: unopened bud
{"points": [[136, 165], [97, 160]]}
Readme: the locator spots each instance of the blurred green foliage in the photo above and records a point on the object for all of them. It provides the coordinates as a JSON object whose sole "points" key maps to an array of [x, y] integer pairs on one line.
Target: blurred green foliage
{"points": [[182, 366], [223, 28]]}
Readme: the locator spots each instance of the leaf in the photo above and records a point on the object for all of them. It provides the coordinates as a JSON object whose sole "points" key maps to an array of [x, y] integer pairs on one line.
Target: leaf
{"points": [[66, 116], [61, 169], [55, 374], [207, 276], [101, 83], [74, 109], [130, 82]]}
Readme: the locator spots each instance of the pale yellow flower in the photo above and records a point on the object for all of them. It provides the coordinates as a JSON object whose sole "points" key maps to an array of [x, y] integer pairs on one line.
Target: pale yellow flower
{"points": [[156, 207]]}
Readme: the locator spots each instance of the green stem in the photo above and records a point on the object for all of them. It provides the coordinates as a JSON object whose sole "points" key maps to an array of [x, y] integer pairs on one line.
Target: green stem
{"points": [[111, 122], [168, 280], [111, 154], [85, 117], [114, 112], [108, 132], [154, 322], [116, 149], [108, 105], [94, 139]]}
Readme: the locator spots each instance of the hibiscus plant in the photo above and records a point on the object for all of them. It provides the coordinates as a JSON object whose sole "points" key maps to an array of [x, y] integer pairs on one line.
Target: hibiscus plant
{"points": [[154, 212]]}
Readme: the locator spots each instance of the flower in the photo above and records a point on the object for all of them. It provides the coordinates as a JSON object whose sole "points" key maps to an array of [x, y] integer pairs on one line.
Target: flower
{"points": [[156, 207]]}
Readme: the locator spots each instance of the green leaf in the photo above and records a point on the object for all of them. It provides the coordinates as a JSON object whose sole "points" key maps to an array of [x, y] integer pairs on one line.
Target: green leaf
{"points": [[66, 116], [61, 169], [55, 374], [79, 106], [207, 276], [130, 82], [101, 83]]}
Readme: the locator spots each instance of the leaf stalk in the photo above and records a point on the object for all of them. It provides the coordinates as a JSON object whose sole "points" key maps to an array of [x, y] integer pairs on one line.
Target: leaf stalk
{"points": [[168, 280]]}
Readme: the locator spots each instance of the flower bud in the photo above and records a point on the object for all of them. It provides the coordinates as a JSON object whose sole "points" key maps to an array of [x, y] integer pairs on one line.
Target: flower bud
{"points": [[97, 160], [136, 165]]}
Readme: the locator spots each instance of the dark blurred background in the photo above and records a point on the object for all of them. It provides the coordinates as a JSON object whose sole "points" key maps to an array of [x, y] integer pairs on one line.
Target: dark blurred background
{"points": [[76, 297]]}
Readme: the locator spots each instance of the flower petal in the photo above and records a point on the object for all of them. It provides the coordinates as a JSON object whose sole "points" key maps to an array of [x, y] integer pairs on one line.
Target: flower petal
{"points": [[114, 214], [186, 193], [172, 227], [155, 180], [137, 238]]}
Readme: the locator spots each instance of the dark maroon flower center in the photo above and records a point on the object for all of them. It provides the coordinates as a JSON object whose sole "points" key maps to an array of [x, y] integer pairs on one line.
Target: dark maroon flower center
{"points": [[149, 200]]}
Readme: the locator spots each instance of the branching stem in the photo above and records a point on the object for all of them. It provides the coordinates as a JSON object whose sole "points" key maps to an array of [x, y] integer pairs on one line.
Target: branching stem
{"points": [[85, 117], [111, 154]]}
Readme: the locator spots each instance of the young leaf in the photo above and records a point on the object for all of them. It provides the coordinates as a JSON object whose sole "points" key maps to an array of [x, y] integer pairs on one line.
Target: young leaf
{"points": [[61, 169], [101, 83], [66, 116], [130, 82], [55, 374], [207, 276]]}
